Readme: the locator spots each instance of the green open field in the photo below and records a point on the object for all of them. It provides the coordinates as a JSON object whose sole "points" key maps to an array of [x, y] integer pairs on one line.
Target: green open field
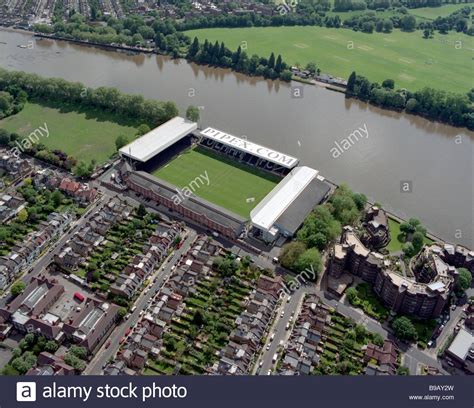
{"points": [[85, 135], [407, 58], [230, 184], [430, 13]]}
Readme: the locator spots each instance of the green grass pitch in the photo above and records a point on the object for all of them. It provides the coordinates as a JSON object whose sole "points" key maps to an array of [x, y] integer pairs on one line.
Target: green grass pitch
{"points": [[443, 62], [234, 186], [85, 135]]}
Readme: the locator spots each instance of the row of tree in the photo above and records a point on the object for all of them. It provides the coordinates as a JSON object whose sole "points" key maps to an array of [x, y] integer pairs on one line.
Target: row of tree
{"points": [[446, 107], [111, 100], [321, 228], [219, 55], [12, 100]]}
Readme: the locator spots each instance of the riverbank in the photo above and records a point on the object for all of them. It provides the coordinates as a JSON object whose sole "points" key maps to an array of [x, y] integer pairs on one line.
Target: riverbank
{"points": [[115, 47], [399, 146]]}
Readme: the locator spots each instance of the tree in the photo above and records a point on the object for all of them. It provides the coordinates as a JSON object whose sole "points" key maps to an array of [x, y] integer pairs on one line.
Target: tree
{"points": [[404, 329], [351, 83], [198, 318], [271, 61], [18, 287], [22, 215], [310, 260], [51, 346], [121, 141], [408, 250], [417, 241], [290, 254], [141, 211], [388, 83], [78, 351], [377, 339], [23, 363], [74, 362], [122, 312], [311, 67], [192, 113], [387, 26], [351, 295], [408, 23], [464, 281], [142, 130], [278, 64], [57, 198], [402, 370], [83, 170], [194, 48]]}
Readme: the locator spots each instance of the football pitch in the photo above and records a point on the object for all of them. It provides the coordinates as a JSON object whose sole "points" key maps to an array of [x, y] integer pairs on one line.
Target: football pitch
{"points": [[443, 62], [228, 184]]}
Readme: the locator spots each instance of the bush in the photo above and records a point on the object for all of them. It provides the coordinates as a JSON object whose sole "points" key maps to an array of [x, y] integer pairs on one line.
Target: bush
{"points": [[404, 329], [18, 287]]}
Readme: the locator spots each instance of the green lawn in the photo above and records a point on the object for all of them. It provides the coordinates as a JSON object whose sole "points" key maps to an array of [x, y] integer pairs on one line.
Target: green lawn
{"points": [[395, 244], [407, 58], [230, 184], [85, 135], [431, 13]]}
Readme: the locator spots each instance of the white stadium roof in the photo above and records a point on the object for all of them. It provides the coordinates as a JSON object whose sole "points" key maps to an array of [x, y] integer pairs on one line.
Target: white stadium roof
{"points": [[249, 147], [158, 139], [281, 197]]}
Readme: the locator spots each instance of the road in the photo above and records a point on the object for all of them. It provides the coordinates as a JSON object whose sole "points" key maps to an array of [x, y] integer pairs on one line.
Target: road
{"points": [[291, 310], [103, 355], [56, 247], [412, 355]]}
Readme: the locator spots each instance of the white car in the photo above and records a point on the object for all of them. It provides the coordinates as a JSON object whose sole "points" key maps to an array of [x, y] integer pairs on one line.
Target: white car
{"points": [[282, 313], [272, 336]]}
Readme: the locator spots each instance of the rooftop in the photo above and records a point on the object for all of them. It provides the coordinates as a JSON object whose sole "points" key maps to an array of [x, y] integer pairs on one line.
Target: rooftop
{"points": [[267, 212], [158, 139], [462, 344], [253, 148]]}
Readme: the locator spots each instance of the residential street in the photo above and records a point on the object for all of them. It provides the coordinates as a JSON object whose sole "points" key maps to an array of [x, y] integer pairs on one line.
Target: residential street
{"points": [[104, 354], [48, 256], [413, 356]]}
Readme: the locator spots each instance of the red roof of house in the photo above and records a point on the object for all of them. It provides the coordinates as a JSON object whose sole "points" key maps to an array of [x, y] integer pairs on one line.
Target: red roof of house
{"points": [[69, 185]]}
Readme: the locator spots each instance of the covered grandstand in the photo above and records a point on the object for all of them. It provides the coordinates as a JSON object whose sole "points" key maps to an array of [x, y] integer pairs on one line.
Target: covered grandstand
{"points": [[158, 139], [248, 152], [248, 185], [284, 209]]}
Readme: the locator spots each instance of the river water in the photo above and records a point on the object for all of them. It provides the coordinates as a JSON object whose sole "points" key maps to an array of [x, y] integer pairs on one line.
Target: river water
{"points": [[436, 160]]}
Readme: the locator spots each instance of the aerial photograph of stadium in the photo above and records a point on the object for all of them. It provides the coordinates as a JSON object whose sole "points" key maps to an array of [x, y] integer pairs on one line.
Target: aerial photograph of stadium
{"points": [[256, 203]]}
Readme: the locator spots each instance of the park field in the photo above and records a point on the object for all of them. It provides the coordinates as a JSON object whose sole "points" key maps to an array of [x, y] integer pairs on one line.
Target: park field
{"points": [[407, 58], [233, 186], [430, 13], [85, 135]]}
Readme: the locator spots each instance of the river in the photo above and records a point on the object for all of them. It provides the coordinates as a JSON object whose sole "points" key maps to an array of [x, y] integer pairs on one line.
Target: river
{"points": [[436, 159]]}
